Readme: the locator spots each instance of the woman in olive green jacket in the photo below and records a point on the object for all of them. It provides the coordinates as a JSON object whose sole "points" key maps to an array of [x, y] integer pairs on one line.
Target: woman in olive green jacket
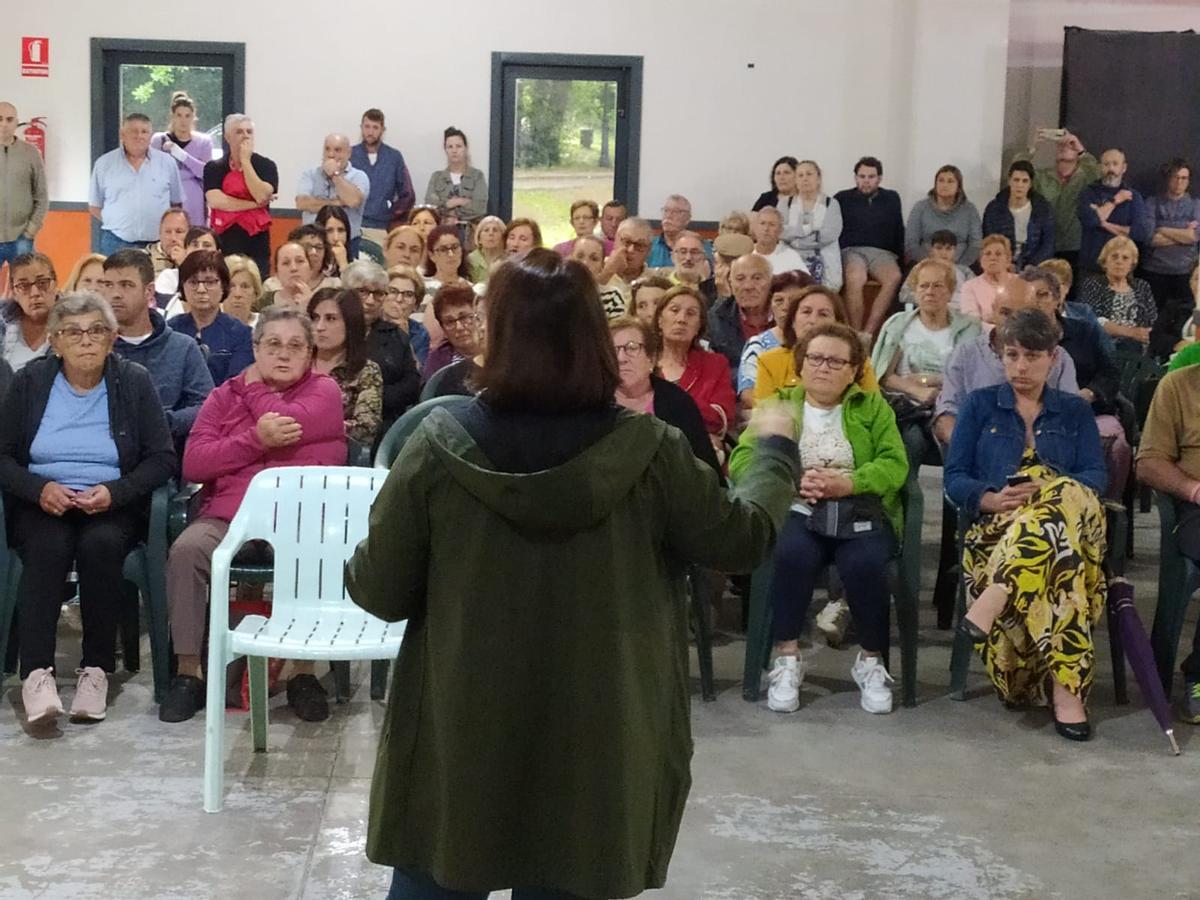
{"points": [[537, 542]]}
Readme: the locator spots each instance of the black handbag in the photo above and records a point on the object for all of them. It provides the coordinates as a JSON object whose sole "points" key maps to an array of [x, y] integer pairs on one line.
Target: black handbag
{"points": [[848, 517], [908, 410]]}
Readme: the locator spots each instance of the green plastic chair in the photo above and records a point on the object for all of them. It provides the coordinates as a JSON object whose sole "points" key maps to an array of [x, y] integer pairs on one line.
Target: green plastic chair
{"points": [[1178, 579], [314, 517], [903, 574], [145, 569]]}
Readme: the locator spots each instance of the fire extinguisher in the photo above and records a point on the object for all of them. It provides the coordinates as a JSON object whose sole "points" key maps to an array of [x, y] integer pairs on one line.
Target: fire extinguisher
{"points": [[35, 133]]}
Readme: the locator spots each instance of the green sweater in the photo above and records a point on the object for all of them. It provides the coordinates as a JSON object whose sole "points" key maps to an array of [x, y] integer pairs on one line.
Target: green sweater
{"points": [[538, 729], [1188, 356], [1063, 198], [880, 461]]}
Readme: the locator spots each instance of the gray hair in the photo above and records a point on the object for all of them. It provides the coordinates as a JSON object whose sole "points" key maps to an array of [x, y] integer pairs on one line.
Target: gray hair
{"points": [[636, 222], [679, 198], [771, 211], [1033, 275], [234, 119], [283, 314], [1031, 329], [79, 303], [364, 273]]}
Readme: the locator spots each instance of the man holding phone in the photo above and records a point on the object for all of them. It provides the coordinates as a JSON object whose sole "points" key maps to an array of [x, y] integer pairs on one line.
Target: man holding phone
{"points": [[1061, 184]]}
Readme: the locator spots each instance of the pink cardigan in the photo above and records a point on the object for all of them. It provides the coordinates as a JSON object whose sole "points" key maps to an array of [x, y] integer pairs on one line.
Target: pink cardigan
{"points": [[224, 452]]}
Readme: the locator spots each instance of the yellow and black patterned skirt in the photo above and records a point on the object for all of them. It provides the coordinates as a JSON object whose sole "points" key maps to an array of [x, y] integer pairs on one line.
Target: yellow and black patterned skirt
{"points": [[1048, 554]]}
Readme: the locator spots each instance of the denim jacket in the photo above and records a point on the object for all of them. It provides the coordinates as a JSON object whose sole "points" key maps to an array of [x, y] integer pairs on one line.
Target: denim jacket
{"points": [[989, 438]]}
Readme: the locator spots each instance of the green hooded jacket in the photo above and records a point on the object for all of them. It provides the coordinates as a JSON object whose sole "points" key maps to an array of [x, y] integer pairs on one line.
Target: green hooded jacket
{"points": [[537, 731]]}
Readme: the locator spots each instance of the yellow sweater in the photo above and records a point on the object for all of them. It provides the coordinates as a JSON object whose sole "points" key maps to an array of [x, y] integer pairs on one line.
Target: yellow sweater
{"points": [[777, 370]]}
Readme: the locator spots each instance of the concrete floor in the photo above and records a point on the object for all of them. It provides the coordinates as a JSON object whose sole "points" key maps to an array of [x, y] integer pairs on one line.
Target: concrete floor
{"points": [[947, 800]]}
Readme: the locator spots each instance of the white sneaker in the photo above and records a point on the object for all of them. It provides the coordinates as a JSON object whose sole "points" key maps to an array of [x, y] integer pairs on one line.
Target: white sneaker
{"points": [[39, 695], [91, 695], [832, 620], [873, 680], [785, 677]]}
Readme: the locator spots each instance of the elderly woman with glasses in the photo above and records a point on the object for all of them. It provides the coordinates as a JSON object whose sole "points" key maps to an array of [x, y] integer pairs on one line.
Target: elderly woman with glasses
{"points": [[279, 412], [24, 332], [83, 446], [406, 295], [454, 310], [224, 341], [388, 344]]}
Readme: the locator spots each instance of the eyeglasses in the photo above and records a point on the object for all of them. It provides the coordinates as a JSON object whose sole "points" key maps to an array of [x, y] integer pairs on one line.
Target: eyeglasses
{"points": [[447, 249], [45, 284], [376, 294], [634, 245], [74, 334], [676, 211], [832, 363], [274, 346], [207, 283], [632, 348], [464, 321], [398, 294]]}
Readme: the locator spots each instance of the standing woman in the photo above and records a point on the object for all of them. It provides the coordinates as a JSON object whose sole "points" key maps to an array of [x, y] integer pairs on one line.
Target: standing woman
{"points": [[191, 151], [812, 225], [340, 351], [1020, 214], [489, 247], [458, 192], [946, 207], [578, 594]]}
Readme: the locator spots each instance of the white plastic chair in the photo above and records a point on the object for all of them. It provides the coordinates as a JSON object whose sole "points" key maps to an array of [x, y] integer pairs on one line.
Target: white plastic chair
{"points": [[313, 517]]}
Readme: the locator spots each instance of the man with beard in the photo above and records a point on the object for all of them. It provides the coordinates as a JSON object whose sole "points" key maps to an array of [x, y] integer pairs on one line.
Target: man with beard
{"points": [[1110, 207], [391, 195]]}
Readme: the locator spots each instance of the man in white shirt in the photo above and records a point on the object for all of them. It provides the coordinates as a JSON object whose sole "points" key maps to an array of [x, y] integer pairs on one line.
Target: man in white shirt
{"points": [[335, 183], [768, 228]]}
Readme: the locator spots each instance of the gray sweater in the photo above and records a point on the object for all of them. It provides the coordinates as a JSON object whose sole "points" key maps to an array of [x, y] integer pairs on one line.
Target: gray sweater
{"points": [[23, 196], [926, 218]]}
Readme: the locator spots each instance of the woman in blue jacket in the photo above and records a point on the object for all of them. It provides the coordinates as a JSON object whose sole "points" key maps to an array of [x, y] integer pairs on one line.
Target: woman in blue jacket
{"points": [[1026, 467], [1021, 214]]}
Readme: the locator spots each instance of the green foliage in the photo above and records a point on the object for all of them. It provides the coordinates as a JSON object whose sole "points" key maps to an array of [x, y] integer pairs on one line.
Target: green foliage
{"points": [[148, 89], [551, 118]]}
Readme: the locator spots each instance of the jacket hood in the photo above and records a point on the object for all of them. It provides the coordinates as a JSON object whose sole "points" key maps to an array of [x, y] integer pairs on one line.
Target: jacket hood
{"points": [[572, 497]]}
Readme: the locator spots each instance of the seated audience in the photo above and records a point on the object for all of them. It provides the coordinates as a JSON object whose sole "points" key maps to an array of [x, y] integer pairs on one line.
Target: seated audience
{"points": [[728, 246], [1072, 309], [521, 236], [322, 266], [1123, 303], [1174, 244], [736, 222], [86, 274], [454, 310], [627, 260], [168, 252], [279, 412], [783, 186], [584, 216], [1023, 216], [335, 223], [83, 446], [680, 321], [1025, 468], [872, 243], [812, 225], [24, 332], [340, 351], [388, 344], [222, 339], [644, 295], [784, 287], [748, 312], [245, 287], [446, 264], [335, 182], [588, 250], [805, 307], [424, 219], [239, 187], [979, 363], [295, 274], [689, 265], [458, 378], [404, 247], [847, 512], [643, 391], [979, 293], [406, 294], [944, 208], [942, 246], [676, 216], [488, 240], [1107, 208], [458, 192], [175, 362], [768, 229], [166, 284], [1168, 460]]}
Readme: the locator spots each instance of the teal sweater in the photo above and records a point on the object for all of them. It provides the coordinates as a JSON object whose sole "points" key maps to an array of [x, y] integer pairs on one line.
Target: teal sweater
{"points": [[880, 461]]}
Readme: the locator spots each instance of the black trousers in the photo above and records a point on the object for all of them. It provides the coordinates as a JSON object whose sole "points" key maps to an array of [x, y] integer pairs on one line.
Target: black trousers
{"points": [[258, 247], [1173, 297], [48, 545]]}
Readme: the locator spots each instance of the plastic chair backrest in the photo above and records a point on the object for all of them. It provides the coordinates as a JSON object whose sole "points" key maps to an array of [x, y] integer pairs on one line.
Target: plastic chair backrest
{"points": [[402, 428], [313, 517]]}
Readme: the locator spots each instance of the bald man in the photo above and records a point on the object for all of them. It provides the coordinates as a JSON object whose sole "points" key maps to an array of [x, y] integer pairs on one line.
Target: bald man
{"points": [[23, 197], [734, 320], [335, 183]]}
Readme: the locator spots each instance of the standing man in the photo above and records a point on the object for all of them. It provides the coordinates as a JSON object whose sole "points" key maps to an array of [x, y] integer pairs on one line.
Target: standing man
{"points": [[676, 216], [335, 183], [1074, 169], [1109, 207], [872, 242], [132, 186], [391, 193], [239, 188], [23, 196]]}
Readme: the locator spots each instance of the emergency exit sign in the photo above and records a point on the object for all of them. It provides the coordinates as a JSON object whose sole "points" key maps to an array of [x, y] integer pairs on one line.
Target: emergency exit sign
{"points": [[35, 57]]}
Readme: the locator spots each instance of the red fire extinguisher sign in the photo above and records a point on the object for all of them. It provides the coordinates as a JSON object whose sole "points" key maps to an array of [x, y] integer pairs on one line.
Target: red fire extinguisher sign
{"points": [[35, 57]]}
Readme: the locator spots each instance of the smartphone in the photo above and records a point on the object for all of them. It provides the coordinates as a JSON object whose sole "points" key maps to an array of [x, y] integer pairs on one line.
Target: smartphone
{"points": [[1018, 478], [1052, 134]]}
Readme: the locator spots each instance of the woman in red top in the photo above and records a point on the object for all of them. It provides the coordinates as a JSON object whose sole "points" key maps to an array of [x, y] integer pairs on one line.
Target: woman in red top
{"points": [[681, 320]]}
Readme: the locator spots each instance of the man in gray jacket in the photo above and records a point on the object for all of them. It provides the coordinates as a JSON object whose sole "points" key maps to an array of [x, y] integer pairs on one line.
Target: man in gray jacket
{"points": [[23, 196]]}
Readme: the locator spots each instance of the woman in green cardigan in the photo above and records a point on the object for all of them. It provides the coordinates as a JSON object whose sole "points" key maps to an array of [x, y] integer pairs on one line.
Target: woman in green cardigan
{"points": [[847, 511], [537, 540]]}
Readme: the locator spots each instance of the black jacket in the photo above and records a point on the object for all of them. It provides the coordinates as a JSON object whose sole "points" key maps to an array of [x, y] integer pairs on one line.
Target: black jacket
{"points": [[389, 347], [725, 331], [6, 377], [675, 406], [1094, 367], [145, 450], [766, 198]]}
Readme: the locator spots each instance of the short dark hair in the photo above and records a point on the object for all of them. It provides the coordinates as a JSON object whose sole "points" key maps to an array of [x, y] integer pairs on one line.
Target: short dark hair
{"points": [[32, 258], [793, 278], [788, 325], [1031, 329], [204, 261], [1023, 165], [455, 132], [350, 306], [132, 258], [198, 231], [681, 290], [843, 332], [548, 346], [871, 161], [136, 117], [790, 160], [615, 204], [451, 295], [174, 211], [943, 237], [375, 115], [1170, 167], [314, 231]]}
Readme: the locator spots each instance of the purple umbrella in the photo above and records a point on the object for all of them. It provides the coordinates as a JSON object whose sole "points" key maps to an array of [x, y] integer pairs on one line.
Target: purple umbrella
{"points": [[1138, 654]]}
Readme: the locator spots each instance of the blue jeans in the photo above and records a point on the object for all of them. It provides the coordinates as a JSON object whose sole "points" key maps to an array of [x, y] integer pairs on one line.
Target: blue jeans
{"points": [[408, 885], [110, 243], [10, 250]]}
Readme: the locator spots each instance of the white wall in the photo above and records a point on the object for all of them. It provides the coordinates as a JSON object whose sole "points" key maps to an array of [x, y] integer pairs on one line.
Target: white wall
{"points": [[916, 82]]}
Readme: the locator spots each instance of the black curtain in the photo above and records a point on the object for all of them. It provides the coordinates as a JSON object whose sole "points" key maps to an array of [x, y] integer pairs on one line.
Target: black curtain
{"points": [[1136, 90]]}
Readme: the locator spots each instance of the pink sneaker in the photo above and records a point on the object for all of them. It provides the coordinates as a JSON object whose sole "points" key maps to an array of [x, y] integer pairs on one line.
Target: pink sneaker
{"points": [[91, 695], [39, 694]]}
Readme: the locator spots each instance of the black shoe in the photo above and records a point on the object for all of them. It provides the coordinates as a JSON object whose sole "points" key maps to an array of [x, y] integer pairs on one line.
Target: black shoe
{"points": [[973, 632], [1074, 731], [184, 697], [306, 696]]}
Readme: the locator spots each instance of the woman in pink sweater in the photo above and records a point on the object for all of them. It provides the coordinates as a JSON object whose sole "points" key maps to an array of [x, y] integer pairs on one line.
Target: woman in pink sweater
{"points": [[979, 294], [276, 413]]}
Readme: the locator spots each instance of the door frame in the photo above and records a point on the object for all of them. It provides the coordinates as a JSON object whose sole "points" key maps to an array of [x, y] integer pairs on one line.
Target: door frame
{"points": [[625, 70]]}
